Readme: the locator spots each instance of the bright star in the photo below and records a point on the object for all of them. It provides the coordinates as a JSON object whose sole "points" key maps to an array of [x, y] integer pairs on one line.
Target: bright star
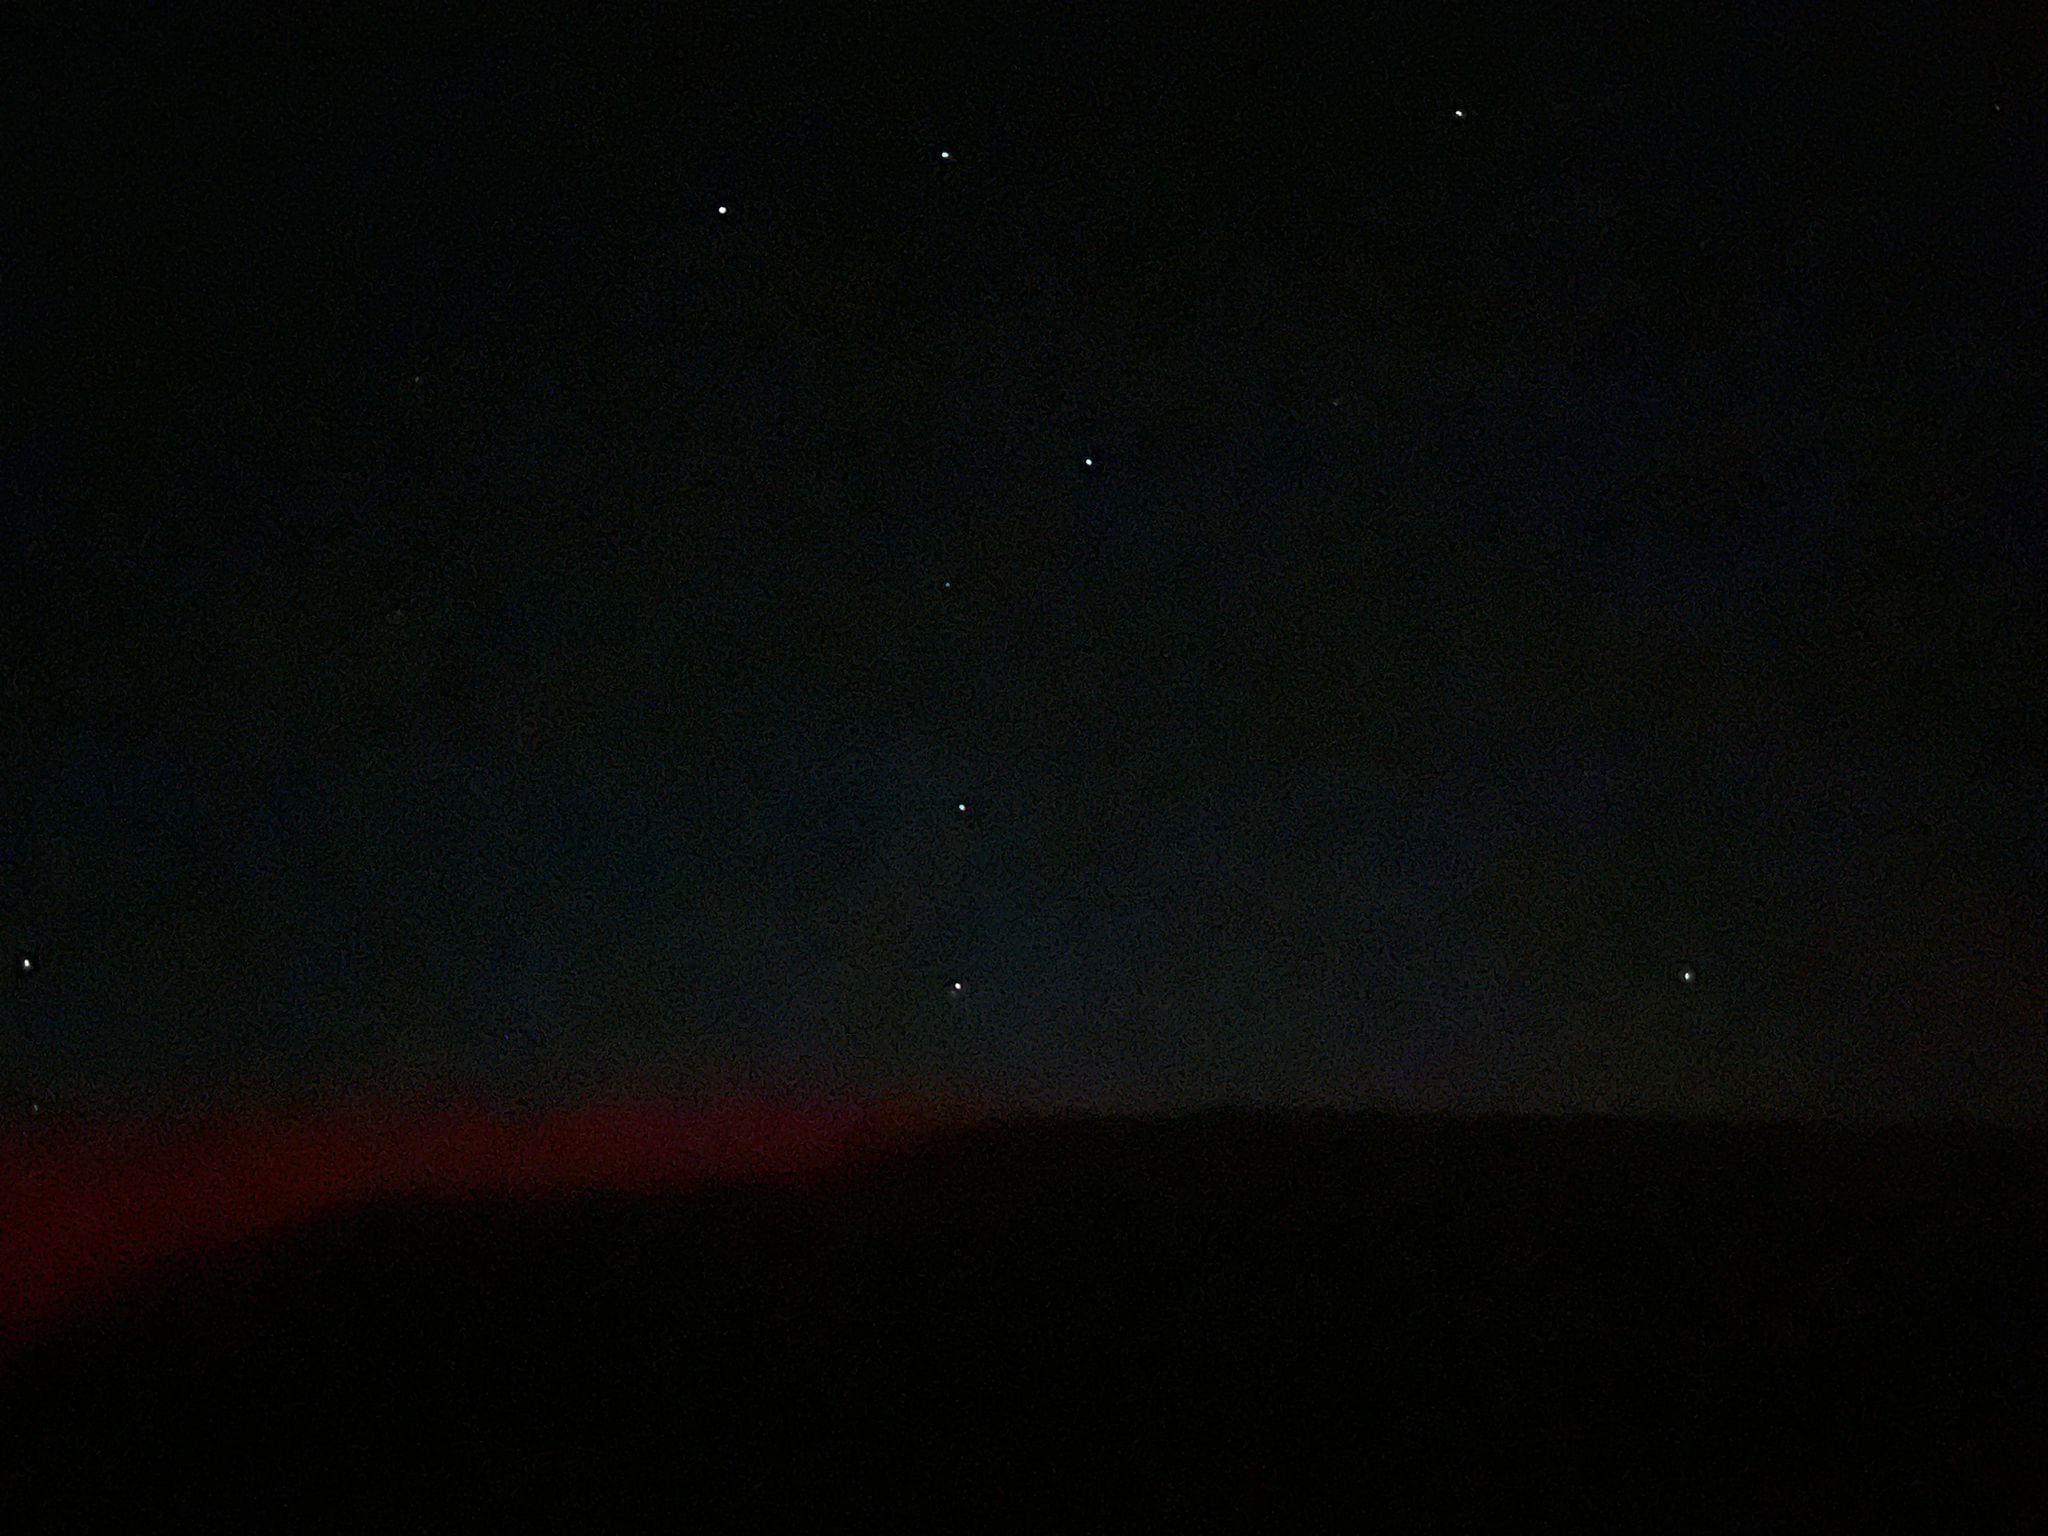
{"points": [[721, 207], [1686, 975]]}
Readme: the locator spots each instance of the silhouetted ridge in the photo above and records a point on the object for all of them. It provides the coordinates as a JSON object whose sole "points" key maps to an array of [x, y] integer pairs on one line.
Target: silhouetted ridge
{"points": [[1443, 1324]]}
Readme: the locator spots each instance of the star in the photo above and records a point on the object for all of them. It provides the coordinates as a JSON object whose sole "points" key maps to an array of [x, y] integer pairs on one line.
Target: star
{"points": [[27, 964], [959, 986], [721, 208], [1090, 463], [1457, 111], [960, 805], [1686, 975], [945, 154]]}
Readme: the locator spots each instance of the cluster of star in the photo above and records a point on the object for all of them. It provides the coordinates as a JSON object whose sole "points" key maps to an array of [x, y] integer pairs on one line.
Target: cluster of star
{"points": [[958, 987]]}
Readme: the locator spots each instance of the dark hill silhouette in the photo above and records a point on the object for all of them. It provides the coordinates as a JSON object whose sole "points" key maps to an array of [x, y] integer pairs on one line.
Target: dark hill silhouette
{"points": [[1281, 1322]]}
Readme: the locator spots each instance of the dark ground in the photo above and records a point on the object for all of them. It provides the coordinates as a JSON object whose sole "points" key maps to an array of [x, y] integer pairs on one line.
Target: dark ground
{"points": [[1355, 1323]]}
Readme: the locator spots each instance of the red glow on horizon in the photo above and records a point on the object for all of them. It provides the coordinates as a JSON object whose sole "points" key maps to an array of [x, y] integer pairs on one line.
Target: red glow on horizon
{"points": [[85, 1215]]}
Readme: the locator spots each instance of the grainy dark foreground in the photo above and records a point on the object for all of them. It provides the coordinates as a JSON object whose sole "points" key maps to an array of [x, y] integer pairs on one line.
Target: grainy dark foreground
{"points": [[1263, 1322]]}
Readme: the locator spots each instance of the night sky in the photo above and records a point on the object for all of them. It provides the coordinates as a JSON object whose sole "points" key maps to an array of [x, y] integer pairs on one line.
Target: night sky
{"points": [[1389, 557]]}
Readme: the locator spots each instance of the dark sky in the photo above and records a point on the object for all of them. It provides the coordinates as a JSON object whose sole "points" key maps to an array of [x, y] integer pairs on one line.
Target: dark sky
{"points": [[1450, 561]]}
